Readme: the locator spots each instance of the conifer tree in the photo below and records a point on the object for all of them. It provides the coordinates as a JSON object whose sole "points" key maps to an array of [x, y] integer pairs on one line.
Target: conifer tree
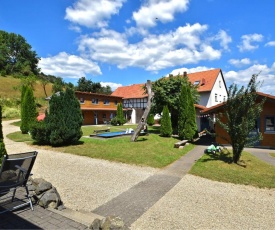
{"points": [[187, 126], [166, 125], [28, 109], [120, 116], [2, 145], [63, 123]]}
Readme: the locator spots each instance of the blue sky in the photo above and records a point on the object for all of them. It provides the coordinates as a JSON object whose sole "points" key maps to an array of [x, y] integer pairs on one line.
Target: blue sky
{"points": [[124, 42]]}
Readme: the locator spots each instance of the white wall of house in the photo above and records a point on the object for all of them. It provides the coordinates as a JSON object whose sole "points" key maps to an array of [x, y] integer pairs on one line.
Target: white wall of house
{"points": [[218, 93], [133, 116], [204, 98]]}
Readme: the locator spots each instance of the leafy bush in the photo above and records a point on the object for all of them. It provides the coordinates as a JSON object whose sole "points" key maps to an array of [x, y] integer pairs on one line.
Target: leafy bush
{"points": [[114, 121], [39, 132], [11, 112], [151, 120]]}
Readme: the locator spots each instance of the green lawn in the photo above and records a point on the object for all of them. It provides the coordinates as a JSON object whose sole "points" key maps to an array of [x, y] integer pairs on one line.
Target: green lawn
{"points": [[152, 150], [272, 154], [158, 152], [256, 173]]}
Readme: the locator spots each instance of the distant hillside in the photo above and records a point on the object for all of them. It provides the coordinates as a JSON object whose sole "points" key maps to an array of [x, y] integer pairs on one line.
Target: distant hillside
{"points": [[8, 85]]}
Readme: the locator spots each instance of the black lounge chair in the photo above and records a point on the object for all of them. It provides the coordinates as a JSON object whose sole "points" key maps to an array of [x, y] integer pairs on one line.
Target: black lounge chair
{"points": [[15, 172]]}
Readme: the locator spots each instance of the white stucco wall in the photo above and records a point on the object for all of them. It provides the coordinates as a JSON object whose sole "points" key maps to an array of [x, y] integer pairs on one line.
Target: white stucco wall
{"points": [[219, 89]]}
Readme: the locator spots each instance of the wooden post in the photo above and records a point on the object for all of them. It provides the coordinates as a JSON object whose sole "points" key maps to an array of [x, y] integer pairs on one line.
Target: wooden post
{"points": [[146, 111]]}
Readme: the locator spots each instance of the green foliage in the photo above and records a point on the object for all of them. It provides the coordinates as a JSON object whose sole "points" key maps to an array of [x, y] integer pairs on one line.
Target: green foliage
{"points": [[166, 125], [58, 85], [85, 85], [167, 92], [2, 145], [241, 112], [28, 109], [120, 115], [151, 120], [187, 126], [16, 55], [63, 123]]}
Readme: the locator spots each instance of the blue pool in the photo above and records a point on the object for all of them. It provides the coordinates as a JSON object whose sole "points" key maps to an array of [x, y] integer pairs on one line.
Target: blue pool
{"points": [[113, 134]]}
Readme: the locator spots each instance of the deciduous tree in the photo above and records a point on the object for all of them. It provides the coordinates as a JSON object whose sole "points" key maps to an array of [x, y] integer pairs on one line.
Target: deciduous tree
{"points": [[167, 91], [16, 55]]}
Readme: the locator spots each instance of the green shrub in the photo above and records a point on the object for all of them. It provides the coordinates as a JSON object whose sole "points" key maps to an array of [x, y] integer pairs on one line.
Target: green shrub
{"points": [[11, 112], [114, 121], [151, 120], [39, 132], [62, 124]]}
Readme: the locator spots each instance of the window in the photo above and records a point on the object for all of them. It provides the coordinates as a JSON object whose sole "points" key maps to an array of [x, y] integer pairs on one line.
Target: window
{"points": [[216, 97], [106, 102], [196, 82], [220, 84], [104, 115], [81, 100], [115, 102], [270, 124], [95, 101], [224, 98]]}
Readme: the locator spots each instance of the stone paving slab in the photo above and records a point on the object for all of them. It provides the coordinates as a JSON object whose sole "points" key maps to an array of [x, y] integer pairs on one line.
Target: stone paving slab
{"points": [[131, 204], [40, 218]]}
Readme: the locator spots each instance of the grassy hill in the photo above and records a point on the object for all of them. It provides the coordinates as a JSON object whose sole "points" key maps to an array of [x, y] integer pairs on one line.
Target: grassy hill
{"points": [[10, 96], [8, 85]]}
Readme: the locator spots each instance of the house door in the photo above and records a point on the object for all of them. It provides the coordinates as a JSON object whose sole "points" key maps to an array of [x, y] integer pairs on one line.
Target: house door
{"points": [[255, 131], [95, 118]]}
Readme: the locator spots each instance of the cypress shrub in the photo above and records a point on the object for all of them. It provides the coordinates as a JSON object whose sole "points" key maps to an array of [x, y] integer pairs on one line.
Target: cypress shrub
{"points": [[120, 116], [2, 145], [151, 120], [28, 108], [166, 125], [187, 126], [62, 123]]}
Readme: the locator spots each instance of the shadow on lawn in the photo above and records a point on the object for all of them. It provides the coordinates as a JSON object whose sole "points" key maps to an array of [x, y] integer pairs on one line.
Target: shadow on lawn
{"points": [[224, 156]]}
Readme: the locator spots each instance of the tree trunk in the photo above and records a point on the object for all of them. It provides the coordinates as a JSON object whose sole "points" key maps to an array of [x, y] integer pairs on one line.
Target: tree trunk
{"points": [[146, 112]]}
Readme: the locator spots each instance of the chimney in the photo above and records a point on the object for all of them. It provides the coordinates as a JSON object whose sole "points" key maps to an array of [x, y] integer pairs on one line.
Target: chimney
{"points": [[185, 74], [203, 81]]}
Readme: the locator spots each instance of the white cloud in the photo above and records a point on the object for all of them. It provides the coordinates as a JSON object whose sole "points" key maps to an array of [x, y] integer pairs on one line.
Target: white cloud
{"points": [[242, 77], [69, 66], [153, 11], [271, 43], [247, 40], [113, 85], [240, 62], [224, 39], [153, 52], [180, 71], [92, 13]]}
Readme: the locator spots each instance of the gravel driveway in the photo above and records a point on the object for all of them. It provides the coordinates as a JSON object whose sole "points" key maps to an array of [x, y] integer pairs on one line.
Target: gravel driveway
{"points": [[193, 203]]}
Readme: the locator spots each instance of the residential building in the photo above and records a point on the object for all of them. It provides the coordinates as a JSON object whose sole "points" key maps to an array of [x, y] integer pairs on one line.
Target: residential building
{"points": [[134, 101], [97, 108], [264, 124], [212, 90]]}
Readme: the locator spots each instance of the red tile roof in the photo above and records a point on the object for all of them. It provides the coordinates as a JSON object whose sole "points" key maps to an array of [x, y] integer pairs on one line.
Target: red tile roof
{"points": [[132, 91], [207, 79]]}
